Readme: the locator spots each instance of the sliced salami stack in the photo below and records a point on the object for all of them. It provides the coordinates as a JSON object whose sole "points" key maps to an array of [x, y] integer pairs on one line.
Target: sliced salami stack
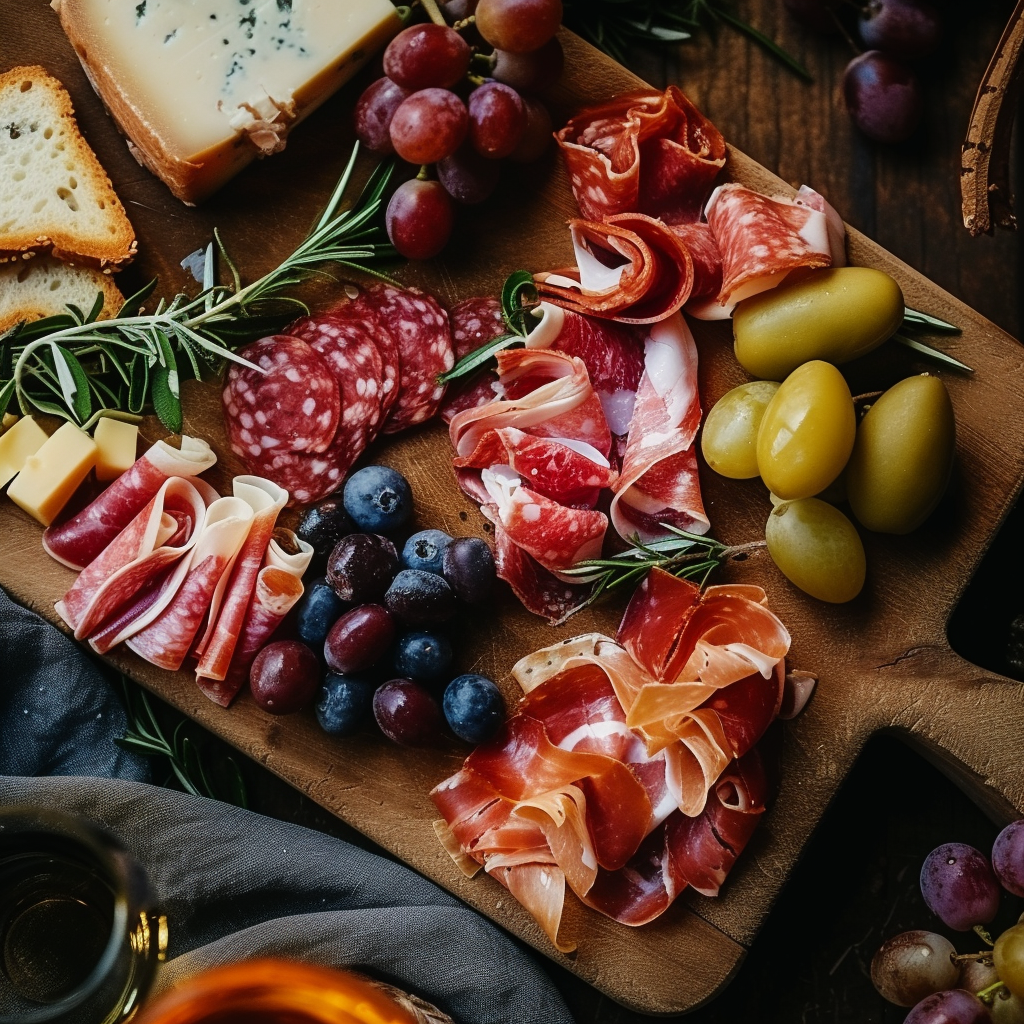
{"points": [[332, 383]]}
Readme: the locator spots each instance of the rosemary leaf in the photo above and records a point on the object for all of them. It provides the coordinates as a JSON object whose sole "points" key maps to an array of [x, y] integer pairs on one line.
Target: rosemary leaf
{"points": [[932, 353], [913, 318]]}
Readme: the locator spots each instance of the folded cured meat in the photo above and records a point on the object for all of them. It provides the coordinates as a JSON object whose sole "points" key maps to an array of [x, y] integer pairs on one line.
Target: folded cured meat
{"points": [[649, 152], [78, 541], [630, 268], [160, 535], [571, 790], [658, 482]]}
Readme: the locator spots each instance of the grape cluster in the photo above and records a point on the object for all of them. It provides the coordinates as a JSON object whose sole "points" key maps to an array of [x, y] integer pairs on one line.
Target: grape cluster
{"points": [[922, 969], [375, 619], [447, 103], [884, 95]]}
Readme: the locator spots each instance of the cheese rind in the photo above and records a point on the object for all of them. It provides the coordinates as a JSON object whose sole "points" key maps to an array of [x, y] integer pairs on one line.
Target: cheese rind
{"points": [[21, 439], [54, 473], [201, 87], [117, 442]]}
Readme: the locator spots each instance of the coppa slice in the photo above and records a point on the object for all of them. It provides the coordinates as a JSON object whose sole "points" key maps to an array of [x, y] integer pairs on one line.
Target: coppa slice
{"points": [[293, 405]]}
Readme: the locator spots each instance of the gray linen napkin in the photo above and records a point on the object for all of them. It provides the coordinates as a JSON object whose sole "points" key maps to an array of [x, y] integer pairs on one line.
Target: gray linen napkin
{"points": [[236, 884]]}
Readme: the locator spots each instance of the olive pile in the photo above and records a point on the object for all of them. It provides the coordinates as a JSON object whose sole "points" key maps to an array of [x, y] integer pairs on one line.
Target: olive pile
{"points": [[375, 616], [802, 437]]}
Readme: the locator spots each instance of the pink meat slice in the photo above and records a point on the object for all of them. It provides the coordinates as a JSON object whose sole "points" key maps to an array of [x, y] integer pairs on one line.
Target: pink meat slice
{"points": [[293, 405]]}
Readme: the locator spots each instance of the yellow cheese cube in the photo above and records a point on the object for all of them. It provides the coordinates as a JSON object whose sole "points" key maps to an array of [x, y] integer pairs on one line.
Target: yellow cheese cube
{"points": [[20, 441], [116, 441], [53, 473]]}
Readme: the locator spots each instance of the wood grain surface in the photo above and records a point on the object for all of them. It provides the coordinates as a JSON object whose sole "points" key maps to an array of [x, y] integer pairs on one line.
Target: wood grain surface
{"points": [[884, 660]]}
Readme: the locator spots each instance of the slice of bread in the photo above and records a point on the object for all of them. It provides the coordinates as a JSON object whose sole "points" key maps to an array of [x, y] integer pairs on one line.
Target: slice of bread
{"points": [[55, 197], [34, 288]]}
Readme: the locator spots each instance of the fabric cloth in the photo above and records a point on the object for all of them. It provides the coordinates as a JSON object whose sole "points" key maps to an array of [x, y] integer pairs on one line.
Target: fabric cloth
{"points": [[236, 884]]}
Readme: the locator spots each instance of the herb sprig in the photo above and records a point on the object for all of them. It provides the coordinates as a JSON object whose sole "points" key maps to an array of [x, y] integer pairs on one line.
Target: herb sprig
{"points": [[74, 366]]}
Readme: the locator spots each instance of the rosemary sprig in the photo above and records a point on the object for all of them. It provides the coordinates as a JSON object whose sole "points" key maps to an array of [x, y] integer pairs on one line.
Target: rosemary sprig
{"points": [[913, 320], [616, 25], [72, 365], [687, 555], [146, 736]]}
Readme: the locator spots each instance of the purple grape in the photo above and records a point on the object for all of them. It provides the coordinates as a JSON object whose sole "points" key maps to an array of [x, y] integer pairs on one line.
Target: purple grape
{"points": [[374, 111], [359, 639], [361, 567], [530, 72], [815, 14], [419, 219], [468, 177], [954, 1006], [1008, 857], [957, 884], [497, 119], [913, 965], [407, 714], [468, 566], [884, 98], [536, 135], [425, 56], [457, 10], [429, 126], [284, 677], [323, 525], [907, 29]]}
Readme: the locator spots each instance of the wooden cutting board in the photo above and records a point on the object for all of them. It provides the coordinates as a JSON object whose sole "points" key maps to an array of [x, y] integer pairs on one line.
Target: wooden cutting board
{"points": [[884, 661]]}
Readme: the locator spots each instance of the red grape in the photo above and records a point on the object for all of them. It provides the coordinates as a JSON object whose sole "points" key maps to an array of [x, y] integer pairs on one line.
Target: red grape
{"points": [[518, 25], [407, 714], [361, 567], [912, 965], [497, 119], [1008, 857], [467, 176], [284, 677], [457, 10], [884, 97], [957, 884], [374, 111], [908, 29], [423, 56], [359, 639], [429, 126], [468, 566], [815, 14], [536, 135], [953, 1007], [419, 219], [530, 72]]}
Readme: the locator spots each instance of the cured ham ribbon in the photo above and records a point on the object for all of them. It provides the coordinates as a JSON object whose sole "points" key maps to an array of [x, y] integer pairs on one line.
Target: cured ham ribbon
{"points": [[649, 152], [161, 534], [658, 482], [691, 679], [81, 539], [229, 605]]}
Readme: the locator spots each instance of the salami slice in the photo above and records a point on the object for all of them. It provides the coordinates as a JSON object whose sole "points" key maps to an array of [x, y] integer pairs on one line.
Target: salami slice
{"points": [[420, 329], [479, 391], [361, 306], [475, 322], [293, 405]]}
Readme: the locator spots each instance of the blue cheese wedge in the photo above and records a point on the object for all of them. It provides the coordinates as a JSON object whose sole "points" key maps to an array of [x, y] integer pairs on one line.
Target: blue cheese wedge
{"points": [[201, 87]]}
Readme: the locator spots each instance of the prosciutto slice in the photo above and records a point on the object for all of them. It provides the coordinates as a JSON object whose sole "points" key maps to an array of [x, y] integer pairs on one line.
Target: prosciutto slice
{"points": [[78, 541], [658, 482], [650, 152], [227, 614], [158, 536]]}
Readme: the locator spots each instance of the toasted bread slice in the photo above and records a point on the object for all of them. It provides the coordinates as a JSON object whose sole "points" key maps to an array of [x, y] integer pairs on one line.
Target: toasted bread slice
{"points": [[55, 196], [34, 288]]}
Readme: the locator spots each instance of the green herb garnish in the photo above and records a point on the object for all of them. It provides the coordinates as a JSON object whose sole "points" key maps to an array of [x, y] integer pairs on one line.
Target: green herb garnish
{"points": [[913, 321], [74, 366]]}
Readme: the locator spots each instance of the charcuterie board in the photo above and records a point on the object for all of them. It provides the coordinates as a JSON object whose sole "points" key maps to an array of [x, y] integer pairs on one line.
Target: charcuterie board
{"points": [[883, 660]]}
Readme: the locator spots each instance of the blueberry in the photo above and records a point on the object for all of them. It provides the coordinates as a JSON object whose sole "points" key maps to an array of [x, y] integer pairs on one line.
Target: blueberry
{"points": [[343, 704], [474, 708], [420, 598], [316, 612], [378, 499], [425, 657], [425, 550]]}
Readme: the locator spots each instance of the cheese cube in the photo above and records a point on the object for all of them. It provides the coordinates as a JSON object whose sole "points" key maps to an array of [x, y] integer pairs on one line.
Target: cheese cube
{"points": [[201, 87], [116, 441], [18, 442], [54, 473]]}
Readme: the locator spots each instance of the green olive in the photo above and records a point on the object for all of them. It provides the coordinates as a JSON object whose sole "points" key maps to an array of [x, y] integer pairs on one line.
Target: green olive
{"points": [[835, 315], [729, 439], [903, 456], [817, 548], [807, 432]]}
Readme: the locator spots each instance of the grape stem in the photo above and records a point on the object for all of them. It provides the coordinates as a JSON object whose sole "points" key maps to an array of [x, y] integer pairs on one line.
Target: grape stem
{"points": [[982, 934], [424, 173], [434, 12], [962, 958], [464, 23], [988, 995]]}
